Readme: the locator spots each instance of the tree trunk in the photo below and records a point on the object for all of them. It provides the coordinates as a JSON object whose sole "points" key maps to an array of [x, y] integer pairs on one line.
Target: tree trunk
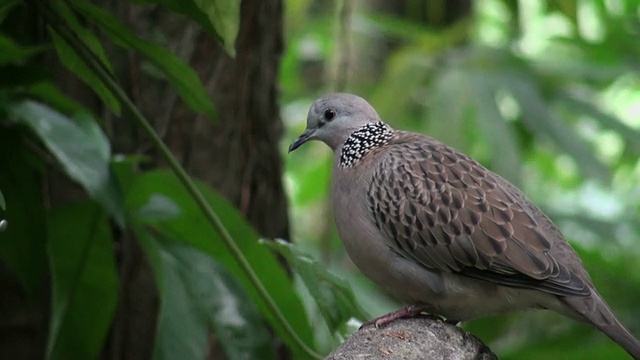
{"points": [[237, 153]]}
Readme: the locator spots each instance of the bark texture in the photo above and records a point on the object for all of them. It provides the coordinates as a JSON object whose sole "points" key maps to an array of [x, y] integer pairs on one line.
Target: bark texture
{"points": [[412, 339], [237, 153]]}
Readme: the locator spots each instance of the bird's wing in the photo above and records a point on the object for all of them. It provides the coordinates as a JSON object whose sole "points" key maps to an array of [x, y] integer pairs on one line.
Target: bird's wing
{"points": [[443, 210]]}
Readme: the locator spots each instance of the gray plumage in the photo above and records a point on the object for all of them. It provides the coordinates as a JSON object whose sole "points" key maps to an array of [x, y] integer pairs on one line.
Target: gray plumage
{"points": [[437, 230]]}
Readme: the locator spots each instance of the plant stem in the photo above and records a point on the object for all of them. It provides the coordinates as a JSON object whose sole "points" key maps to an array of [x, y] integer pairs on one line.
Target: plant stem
{"points": [[96, 65]]}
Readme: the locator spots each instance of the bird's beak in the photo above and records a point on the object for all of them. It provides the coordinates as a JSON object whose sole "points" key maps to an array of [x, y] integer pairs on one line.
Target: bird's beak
{"points": [[306, 136]]}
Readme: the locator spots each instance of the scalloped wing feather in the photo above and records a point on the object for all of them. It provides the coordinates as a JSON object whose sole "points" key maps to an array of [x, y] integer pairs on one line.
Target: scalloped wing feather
{"points": [[443, 210]]}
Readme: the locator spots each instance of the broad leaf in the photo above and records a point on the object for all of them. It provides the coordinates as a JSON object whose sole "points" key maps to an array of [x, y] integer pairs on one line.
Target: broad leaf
{"points": [[5, 8], [87, 37], [537, 116], [53, 96], [585, 107], [181, 76], [225, 17], [334, 296], [566, 343], [85, 281], [75, 64], [22, 243], [12, 53], [188, 9], [82, 150], [449, 122], [311, 177], [197, 295], [158, 194], [505, 153]]}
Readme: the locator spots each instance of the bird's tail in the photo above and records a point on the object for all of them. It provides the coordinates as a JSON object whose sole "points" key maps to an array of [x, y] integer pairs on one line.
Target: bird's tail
{"points": [[596, 311]]}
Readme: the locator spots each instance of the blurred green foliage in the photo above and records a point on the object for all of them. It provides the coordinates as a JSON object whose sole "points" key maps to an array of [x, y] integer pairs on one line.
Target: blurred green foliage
{"points": [[545, 93]]}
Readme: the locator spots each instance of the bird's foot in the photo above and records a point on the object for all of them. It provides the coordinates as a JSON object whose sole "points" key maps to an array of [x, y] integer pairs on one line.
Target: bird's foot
{"points": [[406, 312]]}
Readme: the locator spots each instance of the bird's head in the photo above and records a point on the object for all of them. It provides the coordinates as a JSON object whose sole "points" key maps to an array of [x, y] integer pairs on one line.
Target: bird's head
{"points": [[334, 117]]}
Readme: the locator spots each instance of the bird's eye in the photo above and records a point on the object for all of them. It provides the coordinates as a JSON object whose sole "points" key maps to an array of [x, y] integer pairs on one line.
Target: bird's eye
{"points": [[329, 114]]}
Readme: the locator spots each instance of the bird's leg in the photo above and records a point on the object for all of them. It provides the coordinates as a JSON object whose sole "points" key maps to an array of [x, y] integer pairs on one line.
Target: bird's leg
{"points": [[406, 312]]}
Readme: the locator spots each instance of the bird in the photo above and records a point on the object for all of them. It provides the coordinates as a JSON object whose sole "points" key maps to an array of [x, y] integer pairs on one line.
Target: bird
{"points": [[442, 233]]}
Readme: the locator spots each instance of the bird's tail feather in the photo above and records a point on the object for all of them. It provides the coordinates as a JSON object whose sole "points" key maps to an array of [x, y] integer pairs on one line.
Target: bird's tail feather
{"points": [[596, 311]]}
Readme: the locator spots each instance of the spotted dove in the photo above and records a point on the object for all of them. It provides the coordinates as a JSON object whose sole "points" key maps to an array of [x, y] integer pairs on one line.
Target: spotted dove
{"points": [[437, 230]]}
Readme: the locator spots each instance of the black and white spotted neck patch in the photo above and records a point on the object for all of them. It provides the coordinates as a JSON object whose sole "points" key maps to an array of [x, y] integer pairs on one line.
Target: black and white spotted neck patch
{"points": [[362, 141]]}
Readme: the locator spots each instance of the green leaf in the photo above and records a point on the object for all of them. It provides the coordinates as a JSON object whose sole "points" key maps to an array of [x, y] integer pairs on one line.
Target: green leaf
{"points": [[88, 125], [125, 168], [567, 342], [394, 26], [537, 116], [188, 224], [85, 281], [197, 294], [225, 17], [311, 179], [22, 244], [449, 122], [189, 9], [51, 95], [583, 106], [505, 154], [5, 8], [75, 64], [334, 296], [405, 73], [568, 7], [82, 150], [181, 76], [12, 53], [87, 37]]}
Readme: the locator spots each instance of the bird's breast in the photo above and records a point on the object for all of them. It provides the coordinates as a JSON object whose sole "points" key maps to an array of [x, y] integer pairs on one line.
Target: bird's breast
{"points": [[367, 249]]}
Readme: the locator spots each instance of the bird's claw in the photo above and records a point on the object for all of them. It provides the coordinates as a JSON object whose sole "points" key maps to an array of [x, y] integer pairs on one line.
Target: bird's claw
{"points": [[406, 312]]}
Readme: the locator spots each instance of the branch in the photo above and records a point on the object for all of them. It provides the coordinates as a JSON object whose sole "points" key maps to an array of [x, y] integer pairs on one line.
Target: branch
{"points": [[412, 339]]}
